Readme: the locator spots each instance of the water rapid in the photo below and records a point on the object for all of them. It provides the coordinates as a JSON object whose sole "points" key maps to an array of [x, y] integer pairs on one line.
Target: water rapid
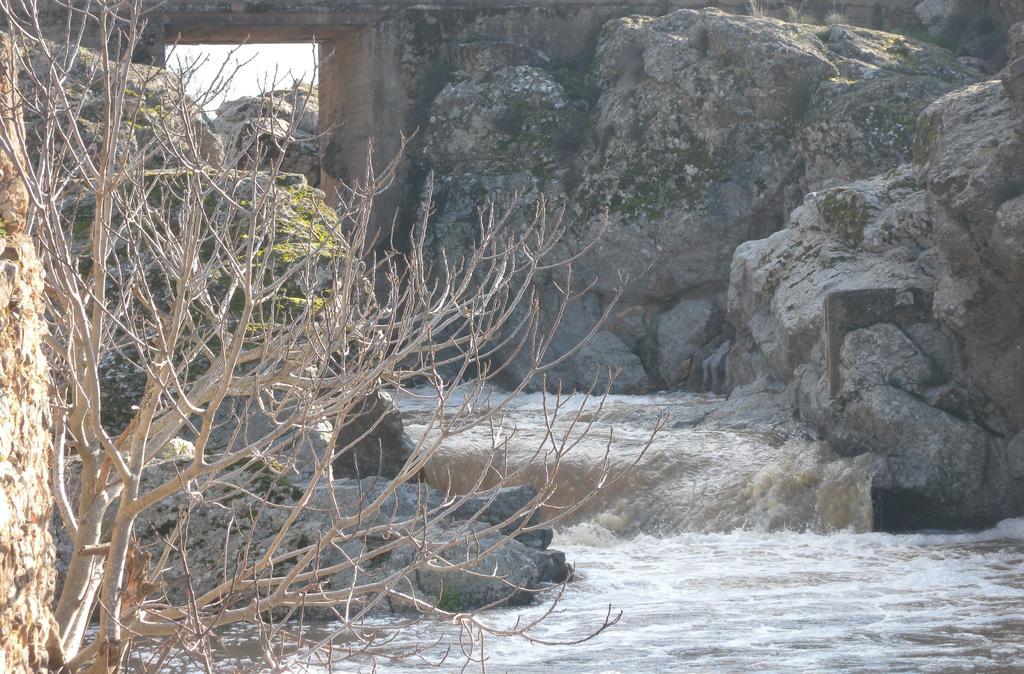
{"points": [[728, 547], [689, 476]]}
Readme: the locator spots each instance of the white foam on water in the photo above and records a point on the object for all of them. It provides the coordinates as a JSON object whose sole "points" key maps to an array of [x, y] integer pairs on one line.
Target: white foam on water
{"points": [[731, 552], [684, 479]]}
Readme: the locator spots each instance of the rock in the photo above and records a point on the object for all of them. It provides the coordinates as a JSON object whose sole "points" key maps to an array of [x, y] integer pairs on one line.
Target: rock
{"points": [[501, 507], [283, 121], [1015, 41], [498, 506], [936, 14], [225, 531], [682, 333], [503, 576], [612, 364], [1008, 11], [973, 145], [243, 422], [890, 310], [867, 234], [1015, 456], [372, 441], [676, 145], [971, 27], [1013, 80], [863, 122]]}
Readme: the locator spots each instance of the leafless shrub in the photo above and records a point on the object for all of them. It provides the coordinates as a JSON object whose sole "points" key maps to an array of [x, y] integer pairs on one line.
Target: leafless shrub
{"points": [[799, 14], [836, 18], [195, 278]]}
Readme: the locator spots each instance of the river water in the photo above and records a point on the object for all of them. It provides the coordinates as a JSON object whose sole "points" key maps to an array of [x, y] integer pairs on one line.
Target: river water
{"points": [[742, 548]]}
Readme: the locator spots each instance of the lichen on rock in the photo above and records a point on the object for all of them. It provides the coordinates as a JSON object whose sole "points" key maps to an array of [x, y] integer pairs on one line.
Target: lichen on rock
{"points": [[921, 369], [698, 131]]}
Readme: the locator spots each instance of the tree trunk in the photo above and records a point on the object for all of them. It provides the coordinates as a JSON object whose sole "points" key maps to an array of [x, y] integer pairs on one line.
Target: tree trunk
{"points": [[27, 638]]}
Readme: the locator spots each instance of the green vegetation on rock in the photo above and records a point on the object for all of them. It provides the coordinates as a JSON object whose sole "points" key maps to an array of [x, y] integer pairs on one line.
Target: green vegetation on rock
{"points": [[846, 213], [450, 600]]}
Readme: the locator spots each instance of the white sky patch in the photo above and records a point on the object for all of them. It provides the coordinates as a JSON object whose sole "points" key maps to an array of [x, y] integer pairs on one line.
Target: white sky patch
{"points": [[263, 67]]}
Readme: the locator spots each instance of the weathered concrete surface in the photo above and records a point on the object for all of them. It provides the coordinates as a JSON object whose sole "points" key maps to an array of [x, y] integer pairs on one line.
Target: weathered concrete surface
{"points": [[26, 558]]}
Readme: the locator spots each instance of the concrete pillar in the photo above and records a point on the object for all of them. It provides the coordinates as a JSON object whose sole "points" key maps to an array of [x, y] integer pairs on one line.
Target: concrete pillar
{"points": [[362, 97]]}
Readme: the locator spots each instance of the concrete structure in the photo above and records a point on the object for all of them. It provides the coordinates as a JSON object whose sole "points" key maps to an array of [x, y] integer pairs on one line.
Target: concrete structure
{"points": [[382, 62], [848, 310]]}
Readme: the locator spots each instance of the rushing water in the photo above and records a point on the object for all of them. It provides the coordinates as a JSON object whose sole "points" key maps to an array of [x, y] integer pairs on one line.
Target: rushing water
{"points": [[689, 476], [729, 550], [785, 602]]}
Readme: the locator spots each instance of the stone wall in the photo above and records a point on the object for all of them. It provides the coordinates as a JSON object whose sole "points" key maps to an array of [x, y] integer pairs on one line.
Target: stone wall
{"points": [[26, 567]]}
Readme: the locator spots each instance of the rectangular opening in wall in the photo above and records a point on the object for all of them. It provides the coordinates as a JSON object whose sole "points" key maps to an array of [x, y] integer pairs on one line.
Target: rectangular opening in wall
{"points": [[262, 100]]}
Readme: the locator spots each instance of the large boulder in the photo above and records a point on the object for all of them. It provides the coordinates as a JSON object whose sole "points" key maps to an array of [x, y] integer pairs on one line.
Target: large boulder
{"points": [[158, 115], [264, 127], [890, 310], [687, 135]]}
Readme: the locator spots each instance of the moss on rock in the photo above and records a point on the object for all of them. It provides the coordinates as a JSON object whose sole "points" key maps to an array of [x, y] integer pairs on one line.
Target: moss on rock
{"points": [[846, 213]]}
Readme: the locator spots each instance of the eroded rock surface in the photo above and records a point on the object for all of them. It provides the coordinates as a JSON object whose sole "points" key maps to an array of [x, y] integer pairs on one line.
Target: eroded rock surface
{"points": [[890, 309], [692, 133]]}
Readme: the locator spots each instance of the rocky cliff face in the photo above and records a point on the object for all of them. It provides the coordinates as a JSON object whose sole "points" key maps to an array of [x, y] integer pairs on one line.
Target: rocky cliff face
{"points": [[890, 311], [884, 305], [687, 135], [26, 558]]}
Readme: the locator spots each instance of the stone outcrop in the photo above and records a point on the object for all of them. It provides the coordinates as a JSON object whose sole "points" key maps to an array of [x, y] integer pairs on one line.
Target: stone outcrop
{"points": [[687, 135], [262, 128], [26, 557], [225, 530], [890, 309], [971, 28]]}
